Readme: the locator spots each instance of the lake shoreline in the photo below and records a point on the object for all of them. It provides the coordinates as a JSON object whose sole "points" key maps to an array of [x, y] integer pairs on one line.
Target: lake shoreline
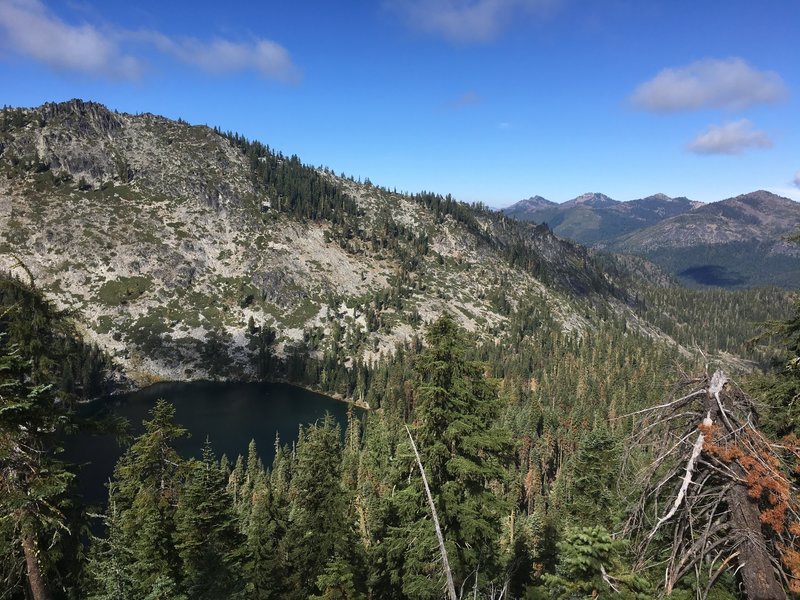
{"points": [[129, 386]]}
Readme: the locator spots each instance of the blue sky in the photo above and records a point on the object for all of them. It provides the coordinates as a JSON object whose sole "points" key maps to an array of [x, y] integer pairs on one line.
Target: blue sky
{"points": [[490, 100]]}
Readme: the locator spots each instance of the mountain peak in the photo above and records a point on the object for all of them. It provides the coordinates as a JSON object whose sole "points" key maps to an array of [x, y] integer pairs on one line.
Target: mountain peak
{"points": [[762, 196], [659, 196], [760, 206], [81, 116], [594, 199], [529, 205]]}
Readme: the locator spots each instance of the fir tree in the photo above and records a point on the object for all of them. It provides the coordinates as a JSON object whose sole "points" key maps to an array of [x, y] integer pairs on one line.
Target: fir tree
{"points": [[317, 516], [145, 490], [40, 545], [109, 563], [590, 566], [464, 453], [265, 565], [206, 536], [593, 499], [33, 483]]}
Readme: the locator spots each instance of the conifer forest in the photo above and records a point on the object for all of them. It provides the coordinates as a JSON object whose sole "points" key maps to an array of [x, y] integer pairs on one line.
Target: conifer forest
{"points": [[572, 467]]}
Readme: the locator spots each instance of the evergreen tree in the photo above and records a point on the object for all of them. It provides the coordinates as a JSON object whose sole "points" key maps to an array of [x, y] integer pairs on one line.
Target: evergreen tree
{"points": [[780, 389], [265, 565], [145, 491], [109, 563], [236, 481], [253, 473], [40, 545], [593, 499], [464, 453], [33, 483], [590, 566], [206, 536], [336, 583], [317, 517]]}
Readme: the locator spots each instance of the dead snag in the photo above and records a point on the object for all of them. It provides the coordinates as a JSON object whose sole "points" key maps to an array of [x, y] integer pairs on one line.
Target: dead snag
{"points": [[451, 589], [716, 494]]}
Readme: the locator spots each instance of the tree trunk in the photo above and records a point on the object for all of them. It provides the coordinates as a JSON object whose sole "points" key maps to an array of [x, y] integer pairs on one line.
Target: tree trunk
{"points": [[35, 579], [755, 567], [759, 580]]}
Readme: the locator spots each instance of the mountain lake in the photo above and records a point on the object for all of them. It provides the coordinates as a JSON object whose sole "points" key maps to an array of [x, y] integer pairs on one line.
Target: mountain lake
{"points": [[229, 414]]}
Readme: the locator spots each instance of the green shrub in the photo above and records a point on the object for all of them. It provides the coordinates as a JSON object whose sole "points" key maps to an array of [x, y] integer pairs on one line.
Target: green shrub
{"points": [[123, 290]]}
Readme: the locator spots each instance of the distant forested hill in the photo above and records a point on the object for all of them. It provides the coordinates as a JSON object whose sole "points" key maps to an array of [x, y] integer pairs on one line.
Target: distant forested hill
{"points": [[738, 242]]}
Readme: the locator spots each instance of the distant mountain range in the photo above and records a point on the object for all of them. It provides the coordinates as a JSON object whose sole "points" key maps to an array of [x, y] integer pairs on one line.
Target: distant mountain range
{"points": [[737, 242], [190, 254], [596, 219]]}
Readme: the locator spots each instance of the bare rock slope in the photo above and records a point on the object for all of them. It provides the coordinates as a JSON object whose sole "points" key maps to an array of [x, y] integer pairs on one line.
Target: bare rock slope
{"points": [[178, 247]]}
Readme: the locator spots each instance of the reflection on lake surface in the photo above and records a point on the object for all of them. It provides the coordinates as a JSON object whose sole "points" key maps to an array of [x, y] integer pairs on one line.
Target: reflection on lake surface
{"points": [[230, 414]]}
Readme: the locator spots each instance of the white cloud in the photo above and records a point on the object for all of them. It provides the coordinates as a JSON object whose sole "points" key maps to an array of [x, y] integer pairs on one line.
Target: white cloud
{"points": [[219, 56], [729, 138], [797, 179], [729, 84], [467, 20], [34, 31]]}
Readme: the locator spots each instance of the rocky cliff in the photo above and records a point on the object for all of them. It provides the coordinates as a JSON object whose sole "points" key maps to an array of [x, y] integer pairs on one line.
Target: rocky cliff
{"points": [[178, 247]]}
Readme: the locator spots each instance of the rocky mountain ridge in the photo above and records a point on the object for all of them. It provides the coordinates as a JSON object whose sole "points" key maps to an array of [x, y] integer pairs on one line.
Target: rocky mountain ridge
{"points": [[757, 216], [189, 253], [596, 219], [593, 199]]}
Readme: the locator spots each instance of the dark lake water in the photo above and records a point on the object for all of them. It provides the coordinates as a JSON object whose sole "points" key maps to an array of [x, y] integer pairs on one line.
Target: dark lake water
{"points": [[230, 414]]}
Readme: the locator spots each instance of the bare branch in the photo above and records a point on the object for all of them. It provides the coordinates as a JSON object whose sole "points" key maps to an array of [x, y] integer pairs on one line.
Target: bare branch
{"points": [[451, 588], [687, 478], [719, 488], [662, 406]]}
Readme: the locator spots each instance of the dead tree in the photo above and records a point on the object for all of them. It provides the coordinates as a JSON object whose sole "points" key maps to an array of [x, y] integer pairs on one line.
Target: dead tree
{"points": [[451, 589], [716, 494]]}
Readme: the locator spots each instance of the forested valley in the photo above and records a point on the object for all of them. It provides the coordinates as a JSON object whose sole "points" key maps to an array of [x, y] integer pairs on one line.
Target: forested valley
{"points": [[541, 465]]}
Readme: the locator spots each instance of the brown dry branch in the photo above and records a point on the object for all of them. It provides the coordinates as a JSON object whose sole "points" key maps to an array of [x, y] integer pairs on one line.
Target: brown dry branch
{"points": [[718, 496]]}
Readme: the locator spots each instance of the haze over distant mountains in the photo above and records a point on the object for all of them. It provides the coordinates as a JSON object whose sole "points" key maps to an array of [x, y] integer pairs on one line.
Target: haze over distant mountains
{"points": [[735, 242]]}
